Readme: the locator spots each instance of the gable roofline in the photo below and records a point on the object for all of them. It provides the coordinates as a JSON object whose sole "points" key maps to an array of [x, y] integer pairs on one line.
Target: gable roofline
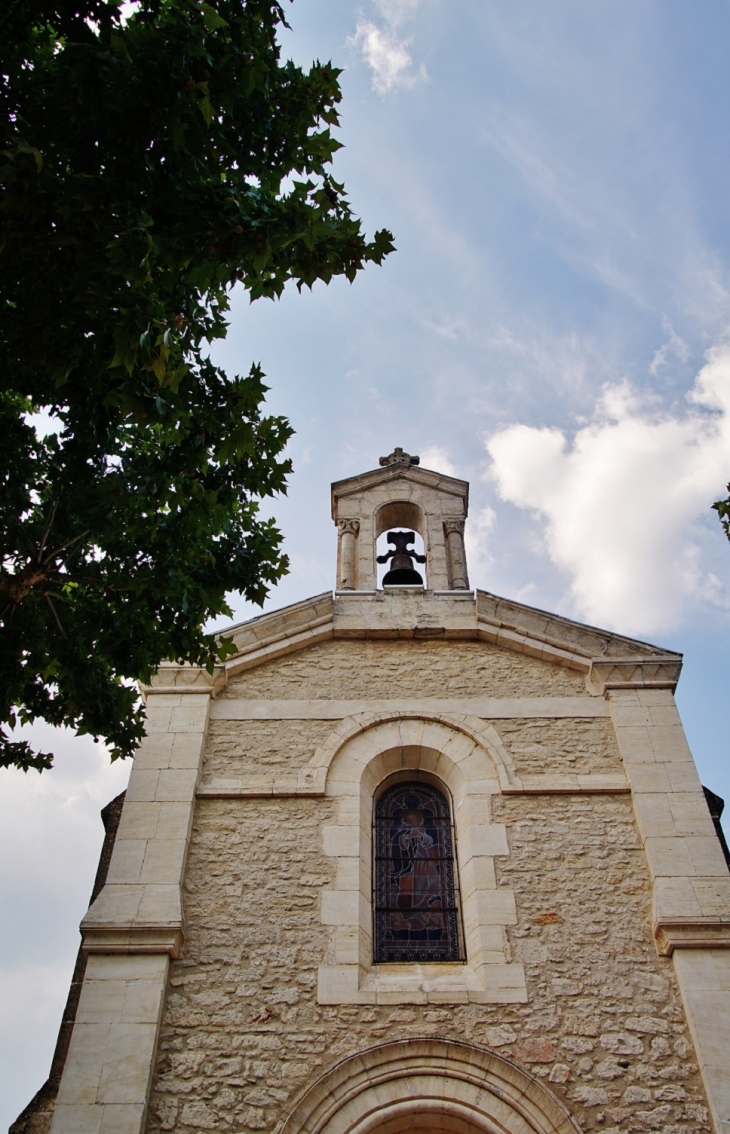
{"points": [[591, 641], [530, 622], [353, 485], [295, 612], [608, 660]]}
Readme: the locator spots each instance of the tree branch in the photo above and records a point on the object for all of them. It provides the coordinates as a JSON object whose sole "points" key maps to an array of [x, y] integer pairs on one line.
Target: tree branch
{"points": [[53, 612], [47, 531]]}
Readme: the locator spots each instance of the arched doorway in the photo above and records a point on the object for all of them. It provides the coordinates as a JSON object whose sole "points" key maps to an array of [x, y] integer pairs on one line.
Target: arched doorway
{"points": [[437, 1086]]}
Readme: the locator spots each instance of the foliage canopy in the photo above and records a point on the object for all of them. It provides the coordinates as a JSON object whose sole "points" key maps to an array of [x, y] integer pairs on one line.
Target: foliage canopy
{"points": [[148, 163]]}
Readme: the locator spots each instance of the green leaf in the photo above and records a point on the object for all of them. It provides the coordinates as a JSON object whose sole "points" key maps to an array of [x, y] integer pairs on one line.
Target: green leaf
{"points": [[213, 21]]}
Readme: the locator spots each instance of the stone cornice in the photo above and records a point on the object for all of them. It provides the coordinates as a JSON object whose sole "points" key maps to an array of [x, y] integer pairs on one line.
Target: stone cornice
{"points": [[235, 708], [134, 939], [285, 642], [171, 678], [312, 782], [577, 638], [634, 673], [691, 933]]}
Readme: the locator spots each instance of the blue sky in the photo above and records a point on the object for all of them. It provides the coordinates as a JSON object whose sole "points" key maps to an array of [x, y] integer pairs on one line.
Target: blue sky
{"points": [[554, 327]]}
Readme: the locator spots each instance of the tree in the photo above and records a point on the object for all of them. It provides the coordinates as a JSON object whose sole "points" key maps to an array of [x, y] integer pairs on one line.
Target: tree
{"points": [[148, 164], [722, 507]]}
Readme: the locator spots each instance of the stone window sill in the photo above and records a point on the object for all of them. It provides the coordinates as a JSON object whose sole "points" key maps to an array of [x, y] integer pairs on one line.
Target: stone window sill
{"points": [[452, 982]]}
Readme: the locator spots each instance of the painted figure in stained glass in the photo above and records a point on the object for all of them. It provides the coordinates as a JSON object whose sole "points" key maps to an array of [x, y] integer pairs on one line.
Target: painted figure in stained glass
{"points": [[416, 883], [416, 914]]}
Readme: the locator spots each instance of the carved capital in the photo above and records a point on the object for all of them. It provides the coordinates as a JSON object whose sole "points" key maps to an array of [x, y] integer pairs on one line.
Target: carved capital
{"points": [[454, 524], [352, 526], [634, 673]]}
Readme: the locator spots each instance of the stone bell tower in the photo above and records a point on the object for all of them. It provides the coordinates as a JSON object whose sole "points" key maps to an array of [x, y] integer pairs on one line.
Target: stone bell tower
{"points": [[400, 494], [414, 857]]}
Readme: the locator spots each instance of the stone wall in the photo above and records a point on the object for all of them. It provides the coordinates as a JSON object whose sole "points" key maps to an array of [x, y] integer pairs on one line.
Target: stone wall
{"points": [[242, 1030], [577, 745], [235, 746], [604, 1019], [568, 744], [411, 668], [243, 1034]]}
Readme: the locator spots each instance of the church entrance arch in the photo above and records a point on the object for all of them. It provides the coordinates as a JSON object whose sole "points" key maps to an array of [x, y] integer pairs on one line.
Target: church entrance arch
{"points": [[438, 1086]]}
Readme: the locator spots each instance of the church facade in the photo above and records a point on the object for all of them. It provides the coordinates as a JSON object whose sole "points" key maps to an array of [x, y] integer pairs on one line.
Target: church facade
{"points": [[416, 856]]}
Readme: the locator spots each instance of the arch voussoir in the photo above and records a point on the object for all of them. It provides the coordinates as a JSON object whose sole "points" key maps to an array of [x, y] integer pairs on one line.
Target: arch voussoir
{"points": [[441, 1085], [438, 730]]}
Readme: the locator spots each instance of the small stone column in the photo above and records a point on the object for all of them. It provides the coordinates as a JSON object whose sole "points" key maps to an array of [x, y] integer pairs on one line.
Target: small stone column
{"points": [[348, 554], [454, 532]]}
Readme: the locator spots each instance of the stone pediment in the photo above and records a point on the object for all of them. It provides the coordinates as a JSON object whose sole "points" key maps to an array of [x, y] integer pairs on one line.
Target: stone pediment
{"points": [[426, 478], [608, 660]]}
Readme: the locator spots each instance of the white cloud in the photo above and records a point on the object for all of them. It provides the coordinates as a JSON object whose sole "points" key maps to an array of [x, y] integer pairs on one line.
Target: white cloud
{"points": [[477, 543], [436, 458], [385, 49], [623, 504], [674, 347]]}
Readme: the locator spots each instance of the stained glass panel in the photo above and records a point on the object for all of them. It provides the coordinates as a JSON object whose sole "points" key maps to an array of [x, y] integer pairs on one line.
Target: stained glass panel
{"points": [[415, 888]]}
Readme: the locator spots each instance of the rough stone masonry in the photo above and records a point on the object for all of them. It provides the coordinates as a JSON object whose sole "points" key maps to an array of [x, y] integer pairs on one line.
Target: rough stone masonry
{"points": [[242, 1031]]}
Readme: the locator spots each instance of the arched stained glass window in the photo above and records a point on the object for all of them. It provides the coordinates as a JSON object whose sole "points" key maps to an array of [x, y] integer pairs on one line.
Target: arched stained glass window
{"points": [[415, 885]]}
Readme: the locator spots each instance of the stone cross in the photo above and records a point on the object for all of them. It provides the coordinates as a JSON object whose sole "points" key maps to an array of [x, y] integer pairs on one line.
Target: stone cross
{"points": [[398, 457]]}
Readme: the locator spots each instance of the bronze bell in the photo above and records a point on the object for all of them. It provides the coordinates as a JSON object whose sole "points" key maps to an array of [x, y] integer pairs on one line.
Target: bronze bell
{"points": [[402, 572]]}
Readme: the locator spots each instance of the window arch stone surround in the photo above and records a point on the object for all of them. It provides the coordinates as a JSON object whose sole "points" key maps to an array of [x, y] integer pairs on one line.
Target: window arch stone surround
{"points": [[445, 1085], [452, 754]]}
